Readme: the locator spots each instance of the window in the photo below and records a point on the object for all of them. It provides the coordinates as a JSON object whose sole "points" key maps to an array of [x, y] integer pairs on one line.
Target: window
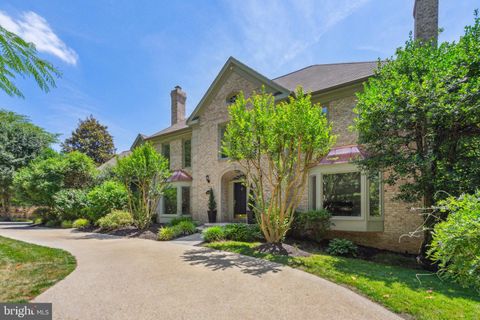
{"points": [[342, 194], [170, 201], [313, 192], [186, 200], [166, 151], [232, 98], [187, 153], [221, 134], [374, 191]]}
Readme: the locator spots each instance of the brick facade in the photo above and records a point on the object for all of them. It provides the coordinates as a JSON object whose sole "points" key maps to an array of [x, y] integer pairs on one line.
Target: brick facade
{"points": [[398, 218]]}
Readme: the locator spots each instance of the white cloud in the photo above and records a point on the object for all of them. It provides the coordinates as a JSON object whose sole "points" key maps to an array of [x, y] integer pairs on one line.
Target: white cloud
{"points": [[34, 28]]}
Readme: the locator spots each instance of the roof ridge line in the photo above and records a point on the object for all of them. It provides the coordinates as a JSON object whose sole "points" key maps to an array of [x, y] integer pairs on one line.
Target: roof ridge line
{"points": [[323, 64]]}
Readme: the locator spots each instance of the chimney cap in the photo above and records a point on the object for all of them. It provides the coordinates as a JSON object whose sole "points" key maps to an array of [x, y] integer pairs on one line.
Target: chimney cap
{"points": [[178, 87]]}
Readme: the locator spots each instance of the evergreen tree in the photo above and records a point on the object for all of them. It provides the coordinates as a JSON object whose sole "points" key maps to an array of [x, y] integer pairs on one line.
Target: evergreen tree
{"points": [[92, 139]]}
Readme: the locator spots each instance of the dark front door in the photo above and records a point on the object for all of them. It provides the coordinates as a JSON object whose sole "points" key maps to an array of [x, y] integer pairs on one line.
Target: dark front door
{"points": [[240, 199]]}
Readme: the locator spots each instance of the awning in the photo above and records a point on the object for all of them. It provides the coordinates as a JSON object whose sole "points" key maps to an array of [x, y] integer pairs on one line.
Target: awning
{"points": [[343, 155], [179, 175]]}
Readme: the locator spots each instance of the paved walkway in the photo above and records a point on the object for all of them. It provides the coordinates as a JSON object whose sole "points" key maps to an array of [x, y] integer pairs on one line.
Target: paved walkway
{"points": [[118, 278]]}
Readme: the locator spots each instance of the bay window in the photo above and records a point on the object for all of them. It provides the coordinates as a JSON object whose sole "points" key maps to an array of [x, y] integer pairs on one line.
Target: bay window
{"points": [[353, 199]]}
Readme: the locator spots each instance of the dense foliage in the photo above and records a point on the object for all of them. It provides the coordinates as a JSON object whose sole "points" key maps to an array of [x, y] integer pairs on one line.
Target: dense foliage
{"points": [[243, 232], [276, 144], [19, 57], [69, 204], [456, 241], [81, 223], [104, 198], [115, 220], [92, 139], [341, 247], [144, 174], [311, 225], [215, 233], [182, 227], [20, 142], [38, 182], [419, 120]]}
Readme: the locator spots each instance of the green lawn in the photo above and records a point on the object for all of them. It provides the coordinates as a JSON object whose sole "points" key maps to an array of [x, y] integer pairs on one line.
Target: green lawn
{"points": [[26, 270], [397, 288]]}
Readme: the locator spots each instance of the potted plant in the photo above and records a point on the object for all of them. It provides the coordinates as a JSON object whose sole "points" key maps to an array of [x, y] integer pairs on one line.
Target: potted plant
{"points": [[212, 207]]}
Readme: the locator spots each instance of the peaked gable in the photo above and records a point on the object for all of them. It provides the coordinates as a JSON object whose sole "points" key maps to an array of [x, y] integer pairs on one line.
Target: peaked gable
{"points": [[233, 65]]}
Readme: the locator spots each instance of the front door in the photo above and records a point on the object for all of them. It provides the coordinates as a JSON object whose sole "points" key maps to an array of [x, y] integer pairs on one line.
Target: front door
{"points": [[240, 201]]}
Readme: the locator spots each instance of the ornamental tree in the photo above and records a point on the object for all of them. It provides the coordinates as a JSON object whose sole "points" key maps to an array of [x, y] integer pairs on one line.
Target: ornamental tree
{"points": [[92, 139], [19, 57], [276, 144], [144, 173], [20, 142], [418, 120]]}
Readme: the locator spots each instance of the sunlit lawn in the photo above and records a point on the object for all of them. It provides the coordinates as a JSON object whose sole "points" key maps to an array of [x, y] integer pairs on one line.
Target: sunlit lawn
{"points": [[26, 270], [397, 288]]}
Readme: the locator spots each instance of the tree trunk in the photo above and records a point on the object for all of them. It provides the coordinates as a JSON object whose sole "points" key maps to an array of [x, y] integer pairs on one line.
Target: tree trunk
{"points": [[429, 224]]}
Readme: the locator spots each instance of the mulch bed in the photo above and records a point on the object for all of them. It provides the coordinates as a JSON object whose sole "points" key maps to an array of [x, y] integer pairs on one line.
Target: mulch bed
{"points": [[130, 232]]}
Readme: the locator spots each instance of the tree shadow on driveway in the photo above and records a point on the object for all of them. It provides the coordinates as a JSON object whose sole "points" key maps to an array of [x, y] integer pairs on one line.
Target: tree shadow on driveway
{"points": [[218, 260]]}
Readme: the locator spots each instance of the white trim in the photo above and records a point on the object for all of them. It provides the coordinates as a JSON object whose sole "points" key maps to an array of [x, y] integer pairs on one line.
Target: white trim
{"points": [[348, 223], [161, 216]]}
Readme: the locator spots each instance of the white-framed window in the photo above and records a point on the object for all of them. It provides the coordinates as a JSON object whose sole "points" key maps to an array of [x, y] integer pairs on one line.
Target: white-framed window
{"points": [[354, 200], [231, 98], [221, 133], [176, 200], [187, 153]]}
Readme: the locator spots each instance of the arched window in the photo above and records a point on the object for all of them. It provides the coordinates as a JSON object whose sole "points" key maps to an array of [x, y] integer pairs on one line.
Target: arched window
{"points": [[231, 98]]}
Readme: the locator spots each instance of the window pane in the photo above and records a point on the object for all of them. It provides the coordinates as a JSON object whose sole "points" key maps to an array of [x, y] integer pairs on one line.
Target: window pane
{"points": [[185, 200], [166, 151], [187, 153], [313, 192], [342, 194], [170, 201], [222, 134], [374, 192]]}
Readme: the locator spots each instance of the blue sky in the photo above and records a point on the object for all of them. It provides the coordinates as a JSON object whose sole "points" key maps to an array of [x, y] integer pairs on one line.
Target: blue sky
{"points": [[120, 59]]}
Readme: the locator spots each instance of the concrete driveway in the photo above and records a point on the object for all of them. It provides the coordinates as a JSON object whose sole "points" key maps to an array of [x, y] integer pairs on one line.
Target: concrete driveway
{"points": [[119, 278]]}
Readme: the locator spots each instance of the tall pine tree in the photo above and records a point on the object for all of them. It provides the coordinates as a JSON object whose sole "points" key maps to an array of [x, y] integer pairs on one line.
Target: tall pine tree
{"points": [[92, 139]]}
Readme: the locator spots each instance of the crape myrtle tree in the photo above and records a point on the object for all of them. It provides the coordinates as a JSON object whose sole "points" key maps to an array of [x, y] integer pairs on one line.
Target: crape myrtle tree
{"points": [[92, 139], [419, 121], [20, 142], [144, 173], [276, 144], [18, 57]]}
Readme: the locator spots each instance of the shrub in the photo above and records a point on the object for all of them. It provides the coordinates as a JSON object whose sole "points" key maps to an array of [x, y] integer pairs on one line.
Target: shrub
{"points": [[66, 224], [168, 233], [243, 232], [38, 221], [311, 225], [81, 223], [186, 227], [69, 204], [215, 233], [342, 247], [177, 220], [51, 223], [110, 195], [115, 220], [456, 241]]}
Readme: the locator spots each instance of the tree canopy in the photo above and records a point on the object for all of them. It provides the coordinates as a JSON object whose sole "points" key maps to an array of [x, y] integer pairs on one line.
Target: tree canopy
{"points": [[92, 139], [20, 142], [276, 144], [419, 119], [18, 57]]}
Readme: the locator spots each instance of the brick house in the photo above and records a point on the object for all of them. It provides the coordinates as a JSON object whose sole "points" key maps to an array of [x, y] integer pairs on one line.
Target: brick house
{"points": [[367, 214]]}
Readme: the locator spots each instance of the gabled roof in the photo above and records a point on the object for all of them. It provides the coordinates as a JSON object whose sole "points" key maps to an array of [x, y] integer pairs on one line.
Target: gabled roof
{"points": [[321, 77], [180, 125], [113, 161], [231, 64], [138, 140]]}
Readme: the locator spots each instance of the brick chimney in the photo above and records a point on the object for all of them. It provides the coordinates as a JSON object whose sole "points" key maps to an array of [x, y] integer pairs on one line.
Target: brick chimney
{"points": [[178, 104], [425, 14]]}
